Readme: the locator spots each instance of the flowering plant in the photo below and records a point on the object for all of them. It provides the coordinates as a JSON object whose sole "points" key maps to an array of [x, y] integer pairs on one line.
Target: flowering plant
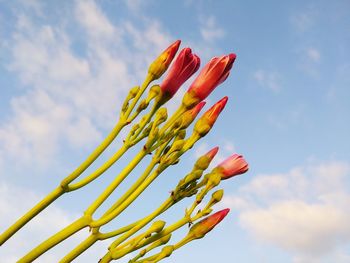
{"points": [[166, 139]]}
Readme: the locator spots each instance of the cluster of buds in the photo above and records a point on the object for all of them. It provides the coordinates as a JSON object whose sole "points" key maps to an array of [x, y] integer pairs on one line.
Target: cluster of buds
{"points": [[165, 138]]}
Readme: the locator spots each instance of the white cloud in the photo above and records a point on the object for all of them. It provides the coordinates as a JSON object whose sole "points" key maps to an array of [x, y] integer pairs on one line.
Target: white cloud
{"points": [[210, 31], [267, 79], [68, 93], [304, 20], [303, 211], [14, 201], [313, 54]]}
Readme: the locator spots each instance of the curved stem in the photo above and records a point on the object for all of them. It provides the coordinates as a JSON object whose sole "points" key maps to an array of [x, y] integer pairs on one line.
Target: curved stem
{"points": [[121, 206], [115, 157], [93, 156], [143, 87], [168, 203], [110, 188], [56, 239]]}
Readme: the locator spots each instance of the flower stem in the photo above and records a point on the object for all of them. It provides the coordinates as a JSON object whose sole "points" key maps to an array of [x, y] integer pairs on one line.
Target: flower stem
{"points": [[56, 239], [88, 242], [46, 201], [110, 188]]}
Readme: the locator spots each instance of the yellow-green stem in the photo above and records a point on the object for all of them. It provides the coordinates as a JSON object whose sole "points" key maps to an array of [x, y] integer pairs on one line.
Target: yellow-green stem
{"points": [[181, 110], [106, 258], [56, 239], [92, 239], [115, 157], [93, 156], [31, 214], [110, 188], [169, 202], [110, 216], [131, 189], [143, 87], [73, 254]]}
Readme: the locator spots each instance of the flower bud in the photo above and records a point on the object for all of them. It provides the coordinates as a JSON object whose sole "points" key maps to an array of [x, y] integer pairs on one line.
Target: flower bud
{"points": [[213, 74], [233, 165], [161, 63], [157, 226], [217, 196], [167, 251], [206, 122], [204, 226], [190, 115], [203, 162], [184, 66]]}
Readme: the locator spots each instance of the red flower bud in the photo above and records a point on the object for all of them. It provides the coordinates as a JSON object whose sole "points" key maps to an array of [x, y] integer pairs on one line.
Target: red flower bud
{"points": [[201, 228], [185, 65], [213, 113], [211, 154], [162, 62], [203, 162], [206, 122], [233, 165], [190, 115], [213, 74]]}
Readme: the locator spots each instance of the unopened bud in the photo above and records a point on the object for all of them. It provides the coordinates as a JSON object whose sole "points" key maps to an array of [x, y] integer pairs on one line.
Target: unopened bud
{"points": [[217, 195], [167, 250], [204, 226], [189, 116], [206, 122], [204, 161], [157, 226], [161, 63]]}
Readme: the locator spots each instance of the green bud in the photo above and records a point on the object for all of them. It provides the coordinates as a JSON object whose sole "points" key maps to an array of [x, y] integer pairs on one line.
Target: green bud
{"points": [[143, 105], [161, 115], [217, 196], [133, 92], [213, 180], [181, 135], [177, 146], [201, 127], [167, 250], [157, 226], [153, 92]]}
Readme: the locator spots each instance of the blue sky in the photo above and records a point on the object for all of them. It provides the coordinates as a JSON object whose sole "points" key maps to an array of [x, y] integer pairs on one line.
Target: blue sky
{"points": [[66, 65]]}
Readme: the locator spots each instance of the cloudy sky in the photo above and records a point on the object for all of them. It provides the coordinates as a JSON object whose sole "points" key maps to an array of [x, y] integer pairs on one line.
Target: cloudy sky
{"points": [[66, 65]]}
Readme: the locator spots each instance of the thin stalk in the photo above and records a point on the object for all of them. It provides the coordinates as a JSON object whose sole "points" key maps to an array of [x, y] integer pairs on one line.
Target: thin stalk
{"points": [[115, 157], [129, 199], [46, 201], [92, 239], [168, 203], [56, 239], [73, 254], [110, 188]]}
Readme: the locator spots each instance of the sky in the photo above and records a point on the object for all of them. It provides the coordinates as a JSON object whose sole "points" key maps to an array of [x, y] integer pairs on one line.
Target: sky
{"points": [[66, 66]]}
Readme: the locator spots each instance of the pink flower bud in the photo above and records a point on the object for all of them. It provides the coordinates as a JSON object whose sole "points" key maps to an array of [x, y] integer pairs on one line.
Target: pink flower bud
{"points": [[162, 62], [185, 65], [206, 122], [204, 161], [213, 74], [204, 226], [233, 165], [190, 115], [211, 154], [213, 113]]}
